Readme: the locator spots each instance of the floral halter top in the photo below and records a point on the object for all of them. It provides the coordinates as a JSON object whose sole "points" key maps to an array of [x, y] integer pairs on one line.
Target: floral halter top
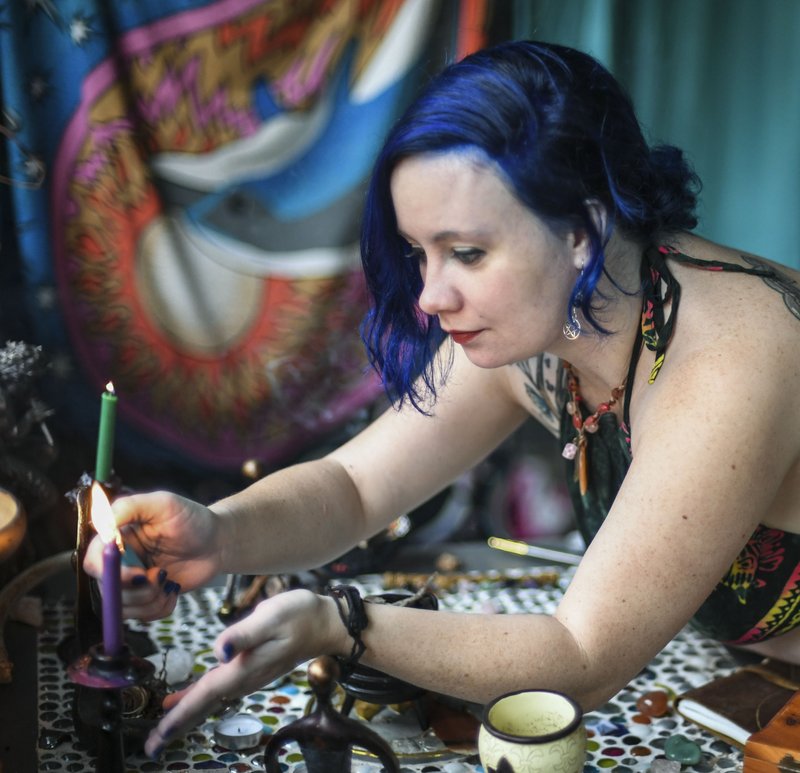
{"points": [[759, 596]]}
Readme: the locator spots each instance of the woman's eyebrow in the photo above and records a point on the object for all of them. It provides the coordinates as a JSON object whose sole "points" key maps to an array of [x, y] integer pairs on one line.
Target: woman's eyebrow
{"points": [[449, 235]]}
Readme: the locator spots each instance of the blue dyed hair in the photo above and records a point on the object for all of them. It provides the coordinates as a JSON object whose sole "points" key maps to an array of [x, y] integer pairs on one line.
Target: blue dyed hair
{"points": [[563, 132]]}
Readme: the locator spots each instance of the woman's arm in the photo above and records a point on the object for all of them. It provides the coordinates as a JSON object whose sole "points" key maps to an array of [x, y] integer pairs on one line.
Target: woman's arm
{"points": [[308, 514], [712, 448]]}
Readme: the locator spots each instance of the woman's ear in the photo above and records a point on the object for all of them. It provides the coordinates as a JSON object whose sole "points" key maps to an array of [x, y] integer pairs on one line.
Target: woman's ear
{"points": [[581, 245]]}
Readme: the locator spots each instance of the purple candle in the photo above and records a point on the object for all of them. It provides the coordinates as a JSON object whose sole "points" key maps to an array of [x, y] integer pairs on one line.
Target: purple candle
{"points": [[103, 520]]}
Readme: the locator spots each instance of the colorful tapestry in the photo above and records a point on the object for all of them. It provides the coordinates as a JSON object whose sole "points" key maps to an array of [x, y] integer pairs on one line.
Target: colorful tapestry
{"points": [[185, 179]]}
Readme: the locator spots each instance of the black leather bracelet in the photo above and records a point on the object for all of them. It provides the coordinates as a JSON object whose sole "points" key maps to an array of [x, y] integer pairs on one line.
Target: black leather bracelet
{"points": [[354, 619]]}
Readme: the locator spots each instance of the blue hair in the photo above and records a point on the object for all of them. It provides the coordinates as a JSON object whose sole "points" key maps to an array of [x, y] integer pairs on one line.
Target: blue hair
{"points": [[564, 134]]}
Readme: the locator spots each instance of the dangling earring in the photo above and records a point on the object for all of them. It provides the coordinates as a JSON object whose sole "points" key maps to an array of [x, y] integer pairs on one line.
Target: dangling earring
{"points": [[572, 327]]}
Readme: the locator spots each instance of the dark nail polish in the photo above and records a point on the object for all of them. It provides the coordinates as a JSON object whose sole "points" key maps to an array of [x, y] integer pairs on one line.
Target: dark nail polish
{"points": [[139, 579], [228, 651], [162, 575], [171, 587]]}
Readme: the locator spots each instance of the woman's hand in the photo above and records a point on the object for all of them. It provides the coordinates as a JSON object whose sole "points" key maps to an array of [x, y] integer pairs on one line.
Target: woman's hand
{"points": [[281, 632], [178, 541]]}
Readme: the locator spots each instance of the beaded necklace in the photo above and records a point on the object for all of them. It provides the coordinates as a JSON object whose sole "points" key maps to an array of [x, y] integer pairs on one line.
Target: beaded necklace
{"points": [[576, 448]]}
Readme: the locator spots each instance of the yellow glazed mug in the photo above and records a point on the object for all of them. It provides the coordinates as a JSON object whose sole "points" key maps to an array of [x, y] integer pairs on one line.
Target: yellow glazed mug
{"points": [[532, 731]]}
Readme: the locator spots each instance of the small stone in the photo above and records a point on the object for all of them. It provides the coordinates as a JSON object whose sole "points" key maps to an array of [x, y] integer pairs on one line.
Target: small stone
{"points": [[665, 766], [570, 449], [448, 562], [653, 704], [176, 664], [679, 748]]}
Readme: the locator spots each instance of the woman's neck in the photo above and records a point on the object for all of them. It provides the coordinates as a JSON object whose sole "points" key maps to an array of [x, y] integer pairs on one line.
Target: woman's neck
{"points": [[601, 361]]}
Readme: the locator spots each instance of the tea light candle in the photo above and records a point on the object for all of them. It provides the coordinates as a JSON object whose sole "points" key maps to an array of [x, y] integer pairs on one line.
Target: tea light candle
{"points": [[111, 583], [241, 731], [105, 434], [12, 524]]}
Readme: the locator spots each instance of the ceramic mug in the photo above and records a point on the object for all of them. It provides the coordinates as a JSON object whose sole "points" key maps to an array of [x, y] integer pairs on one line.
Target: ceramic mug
{"points": [[532, 731]]}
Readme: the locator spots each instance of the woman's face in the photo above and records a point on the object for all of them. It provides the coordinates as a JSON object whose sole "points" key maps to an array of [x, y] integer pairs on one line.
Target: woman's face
{"points": [[496, 276]]}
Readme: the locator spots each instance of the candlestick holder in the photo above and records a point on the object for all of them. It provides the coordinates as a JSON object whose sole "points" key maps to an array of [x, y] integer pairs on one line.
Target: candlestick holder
{"points": [[117, 700], [103, 681]]}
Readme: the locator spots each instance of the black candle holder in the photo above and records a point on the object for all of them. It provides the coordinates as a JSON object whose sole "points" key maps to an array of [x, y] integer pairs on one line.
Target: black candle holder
{"points": [[101, 681]]}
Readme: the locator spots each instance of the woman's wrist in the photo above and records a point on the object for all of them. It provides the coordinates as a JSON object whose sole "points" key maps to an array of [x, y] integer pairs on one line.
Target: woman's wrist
{"points": [[226, 551], [337, 639], [352, 614]]}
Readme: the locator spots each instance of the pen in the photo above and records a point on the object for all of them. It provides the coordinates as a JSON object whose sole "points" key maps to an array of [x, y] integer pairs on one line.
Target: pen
{"points": [[534, 551]]}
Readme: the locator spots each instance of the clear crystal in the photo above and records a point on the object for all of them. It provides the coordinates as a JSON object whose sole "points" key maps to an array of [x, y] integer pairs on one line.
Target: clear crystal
{"points": [[665, 766]]}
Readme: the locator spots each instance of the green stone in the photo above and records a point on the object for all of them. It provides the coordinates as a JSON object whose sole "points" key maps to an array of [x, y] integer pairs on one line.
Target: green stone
{"points": [[681, 749]]}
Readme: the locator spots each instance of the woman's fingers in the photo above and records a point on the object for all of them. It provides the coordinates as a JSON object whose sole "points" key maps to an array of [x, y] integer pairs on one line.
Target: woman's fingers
{"points": [[252, 652], [148, 594], [191, 706]]}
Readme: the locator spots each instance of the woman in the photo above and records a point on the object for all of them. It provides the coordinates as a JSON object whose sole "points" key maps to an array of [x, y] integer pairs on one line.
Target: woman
{"points": [[528, 255]]}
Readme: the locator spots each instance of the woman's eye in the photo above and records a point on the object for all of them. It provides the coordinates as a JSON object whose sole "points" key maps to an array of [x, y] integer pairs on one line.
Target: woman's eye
{"points": [[468, 255], [414, 253]]}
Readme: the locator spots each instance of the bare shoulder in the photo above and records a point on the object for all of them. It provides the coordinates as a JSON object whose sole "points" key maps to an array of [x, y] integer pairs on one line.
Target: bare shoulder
{"points": [[727, 394], [747, 313], [765, 291]]}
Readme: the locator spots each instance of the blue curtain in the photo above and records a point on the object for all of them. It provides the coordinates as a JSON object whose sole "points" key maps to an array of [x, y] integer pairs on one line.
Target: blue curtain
{"points": [[718, 78]]}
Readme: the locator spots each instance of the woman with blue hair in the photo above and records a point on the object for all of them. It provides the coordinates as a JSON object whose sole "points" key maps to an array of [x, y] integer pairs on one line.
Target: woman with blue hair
{"points": [[529, 254]]}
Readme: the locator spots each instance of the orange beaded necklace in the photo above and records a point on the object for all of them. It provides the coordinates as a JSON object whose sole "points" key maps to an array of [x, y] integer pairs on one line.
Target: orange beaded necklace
{"points": [[576, 448]]}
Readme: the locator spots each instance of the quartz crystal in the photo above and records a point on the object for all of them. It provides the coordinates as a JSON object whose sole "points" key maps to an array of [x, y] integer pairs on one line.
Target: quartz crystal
{"points": [[665, 766]]}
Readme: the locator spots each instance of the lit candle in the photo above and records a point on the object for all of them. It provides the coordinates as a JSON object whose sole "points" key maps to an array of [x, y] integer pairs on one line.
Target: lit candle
{"points": [[12, 524], [105, 435], [103, 521]]}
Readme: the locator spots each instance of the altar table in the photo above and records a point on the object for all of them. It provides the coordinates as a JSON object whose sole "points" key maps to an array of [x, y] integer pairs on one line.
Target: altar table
{"points": [[618, 739]]}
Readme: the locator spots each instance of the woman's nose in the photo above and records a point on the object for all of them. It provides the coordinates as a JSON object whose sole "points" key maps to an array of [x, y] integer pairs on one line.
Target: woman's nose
{"points": [[438, 293]]}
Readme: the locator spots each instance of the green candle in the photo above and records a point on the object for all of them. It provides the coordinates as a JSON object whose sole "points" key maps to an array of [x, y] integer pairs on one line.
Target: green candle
{"points": [[105, 435]]}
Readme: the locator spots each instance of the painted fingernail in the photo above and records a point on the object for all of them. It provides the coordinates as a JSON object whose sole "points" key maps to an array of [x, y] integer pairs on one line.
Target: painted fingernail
{"points": [[228, 651], [139, 579], [162, 575], [171, 587]]}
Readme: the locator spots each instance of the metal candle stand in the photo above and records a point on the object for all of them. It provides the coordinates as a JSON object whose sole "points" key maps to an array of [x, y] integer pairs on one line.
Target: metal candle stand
{"points": [[103, 721], [99, 705]]}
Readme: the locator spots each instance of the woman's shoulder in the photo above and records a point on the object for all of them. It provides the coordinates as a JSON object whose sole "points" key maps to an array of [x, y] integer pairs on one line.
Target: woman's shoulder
{"points": [[540, 385], [757, 300]]}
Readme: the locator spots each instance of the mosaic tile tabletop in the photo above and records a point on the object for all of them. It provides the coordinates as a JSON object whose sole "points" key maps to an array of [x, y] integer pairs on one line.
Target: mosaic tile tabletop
{"points": [[620, 737]]}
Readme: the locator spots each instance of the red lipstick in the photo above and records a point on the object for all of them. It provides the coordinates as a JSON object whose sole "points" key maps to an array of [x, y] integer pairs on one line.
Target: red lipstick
{"points": [[464, 337]]}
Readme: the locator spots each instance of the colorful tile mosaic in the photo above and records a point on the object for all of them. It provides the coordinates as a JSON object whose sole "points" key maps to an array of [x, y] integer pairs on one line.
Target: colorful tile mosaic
{"points": [[629, 733]]}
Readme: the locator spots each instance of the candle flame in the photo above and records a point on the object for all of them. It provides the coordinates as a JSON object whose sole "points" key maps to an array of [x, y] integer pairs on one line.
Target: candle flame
{"points": [[110, 387], [103, 516]]}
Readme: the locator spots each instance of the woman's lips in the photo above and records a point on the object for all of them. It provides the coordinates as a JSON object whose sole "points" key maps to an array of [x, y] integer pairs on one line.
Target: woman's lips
{"points": [[463, 337]]}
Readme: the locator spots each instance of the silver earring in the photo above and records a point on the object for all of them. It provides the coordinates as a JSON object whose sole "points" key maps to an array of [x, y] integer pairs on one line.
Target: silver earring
{"points": [[572, 327]]}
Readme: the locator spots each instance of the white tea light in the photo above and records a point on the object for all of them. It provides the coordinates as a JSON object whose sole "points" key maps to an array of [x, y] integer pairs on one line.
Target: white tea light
{"points": [[241, 731]]}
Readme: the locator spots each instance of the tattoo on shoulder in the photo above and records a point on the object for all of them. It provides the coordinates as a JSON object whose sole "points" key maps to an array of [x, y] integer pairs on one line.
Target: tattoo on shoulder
{"points": [[543, 386], [779, 281]]}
